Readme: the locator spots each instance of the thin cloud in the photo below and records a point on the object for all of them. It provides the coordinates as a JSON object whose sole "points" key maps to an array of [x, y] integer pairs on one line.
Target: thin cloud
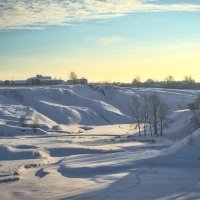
{"points": [[182, 46], [110, 40], [106, 40], [25, 13]]}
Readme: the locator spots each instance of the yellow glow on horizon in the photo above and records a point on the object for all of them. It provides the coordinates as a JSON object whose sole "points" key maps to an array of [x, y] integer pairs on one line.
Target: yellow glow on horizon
{"points": [[112, 69], [124, 70]]}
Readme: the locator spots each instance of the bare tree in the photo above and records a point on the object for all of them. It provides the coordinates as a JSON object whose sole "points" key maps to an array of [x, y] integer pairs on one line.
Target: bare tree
{"points": [[73, 76], [154, 101], [150, 125], [150, 112], [136, 81], [158, 112], [136, 109], [169, 79], [163, 112], [146, 116], [189, 79]]}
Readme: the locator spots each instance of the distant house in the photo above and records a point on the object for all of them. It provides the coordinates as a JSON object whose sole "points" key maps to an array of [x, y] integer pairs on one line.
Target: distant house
{"points": [[36, 80], [44, 80], [51, 82], [82, 81]]}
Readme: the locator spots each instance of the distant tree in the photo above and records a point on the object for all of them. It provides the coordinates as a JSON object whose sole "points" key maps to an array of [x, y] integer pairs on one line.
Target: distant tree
{"points": [[73, 76], [169, 79], [136, 81], [149, 82], [189, 79]]}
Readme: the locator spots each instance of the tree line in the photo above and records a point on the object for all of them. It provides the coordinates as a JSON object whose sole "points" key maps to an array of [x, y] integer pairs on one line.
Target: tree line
{"points": [[188, 82], [169, 82]]}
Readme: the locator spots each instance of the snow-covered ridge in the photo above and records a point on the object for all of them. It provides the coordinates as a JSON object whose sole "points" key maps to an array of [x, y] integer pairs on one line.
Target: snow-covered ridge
{"points": [[77, 104]]}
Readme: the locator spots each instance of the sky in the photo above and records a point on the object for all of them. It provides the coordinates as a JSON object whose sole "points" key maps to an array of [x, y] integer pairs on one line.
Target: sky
{"points": [[102, 40]]}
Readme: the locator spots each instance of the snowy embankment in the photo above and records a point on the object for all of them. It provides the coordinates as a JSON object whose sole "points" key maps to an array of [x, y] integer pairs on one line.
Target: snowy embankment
{"points": [[63, 106], [186, 151], [53, 107]]}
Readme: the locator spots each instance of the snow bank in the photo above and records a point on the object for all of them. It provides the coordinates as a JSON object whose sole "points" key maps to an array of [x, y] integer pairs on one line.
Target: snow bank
{"points": [[8, 130], [185, 153], [187, 147], [11, 153]]}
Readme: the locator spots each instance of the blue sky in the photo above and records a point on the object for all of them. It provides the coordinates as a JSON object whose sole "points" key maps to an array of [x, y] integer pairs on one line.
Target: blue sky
{"points": [[101, 40]]}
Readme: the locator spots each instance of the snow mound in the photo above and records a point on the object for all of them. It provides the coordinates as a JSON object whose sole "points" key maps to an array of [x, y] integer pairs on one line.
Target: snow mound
{"points": [[57, 106], [187, 147], [63, 105], [8, 130], [12, 153], [185, 153], [12, 115]]}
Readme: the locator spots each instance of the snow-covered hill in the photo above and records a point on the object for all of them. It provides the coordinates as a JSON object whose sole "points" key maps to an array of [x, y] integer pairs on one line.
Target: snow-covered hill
{"points": [[65, 105], [85, 105]]}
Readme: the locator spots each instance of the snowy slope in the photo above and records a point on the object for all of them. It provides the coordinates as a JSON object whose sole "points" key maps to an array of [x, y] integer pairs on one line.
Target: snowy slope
{"points": [[77, 104], [63, 105], [189, 148]]}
